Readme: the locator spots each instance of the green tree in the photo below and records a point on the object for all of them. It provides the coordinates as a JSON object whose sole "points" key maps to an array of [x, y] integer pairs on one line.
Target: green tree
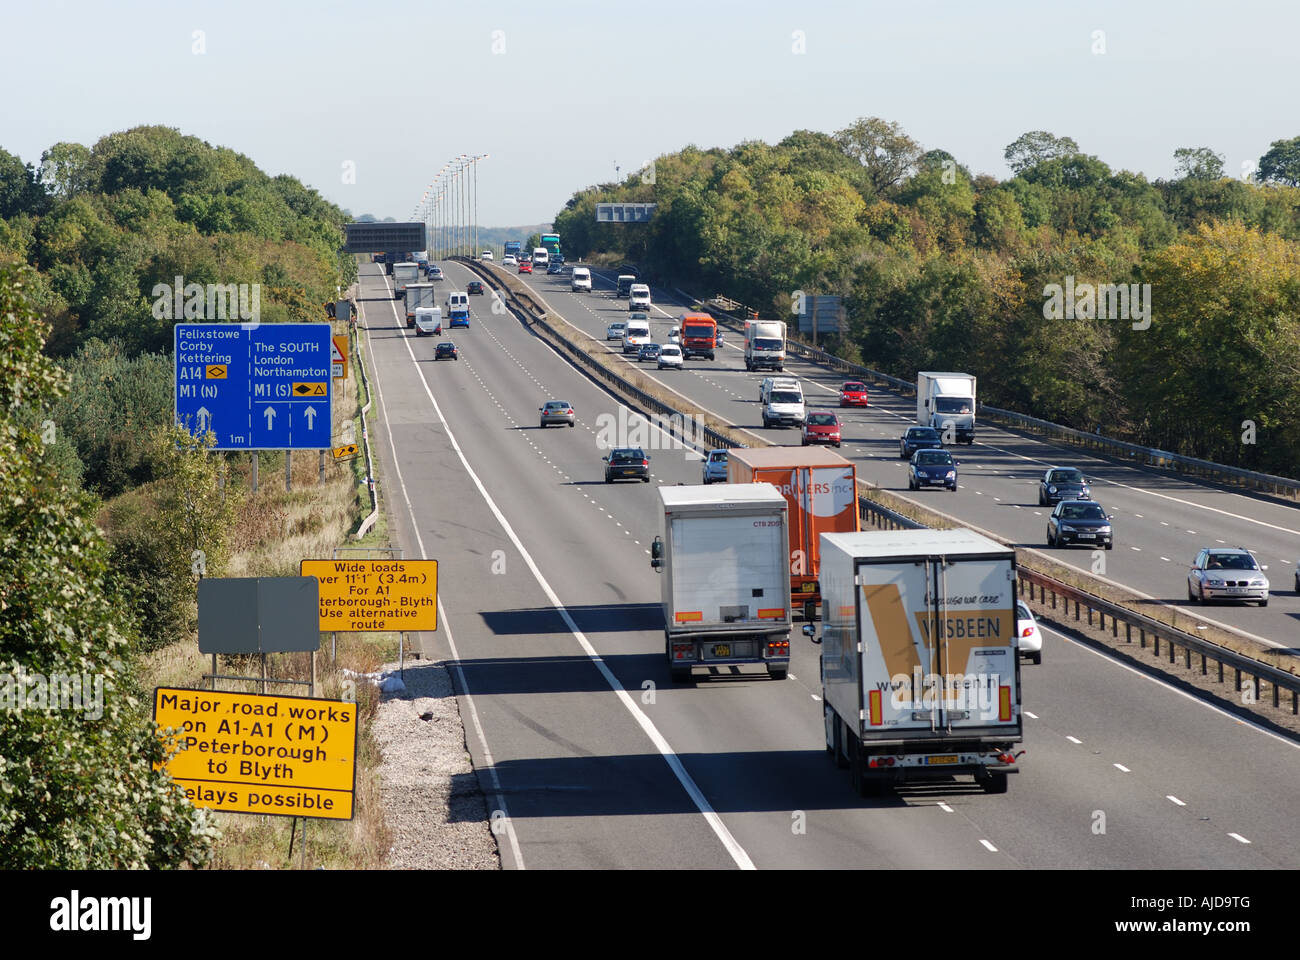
{"points": [[1281, 164], [882, 148], [78, 789], [1198, 163], [20, 192], [1035, 147], [65, 169]]}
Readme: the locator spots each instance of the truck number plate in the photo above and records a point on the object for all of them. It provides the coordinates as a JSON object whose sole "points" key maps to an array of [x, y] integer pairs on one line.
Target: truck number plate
{"points": [[946, 758], [722, 649], [809, 587]]}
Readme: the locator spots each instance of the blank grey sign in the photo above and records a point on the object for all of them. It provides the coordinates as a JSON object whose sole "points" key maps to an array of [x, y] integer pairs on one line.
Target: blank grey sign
{"points": [[259, 614]]}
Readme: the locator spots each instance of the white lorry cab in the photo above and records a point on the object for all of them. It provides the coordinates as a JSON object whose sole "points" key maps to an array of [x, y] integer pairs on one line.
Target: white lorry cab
{"points": [[541, 258], [635, 335]]}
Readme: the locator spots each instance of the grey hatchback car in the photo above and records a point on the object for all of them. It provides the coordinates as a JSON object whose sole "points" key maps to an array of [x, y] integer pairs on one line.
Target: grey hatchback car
{"points": [[556, 411], [648, 351], [715, 466]]}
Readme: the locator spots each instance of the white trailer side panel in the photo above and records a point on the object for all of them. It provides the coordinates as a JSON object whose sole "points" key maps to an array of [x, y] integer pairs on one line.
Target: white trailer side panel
{"points": [[728, 570]]}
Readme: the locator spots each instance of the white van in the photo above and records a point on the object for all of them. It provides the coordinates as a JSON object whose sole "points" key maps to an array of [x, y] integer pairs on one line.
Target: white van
{"points": [[540, 257], [638, 298], [778, 383], [428, 320], [581, 279], [635, 335]]}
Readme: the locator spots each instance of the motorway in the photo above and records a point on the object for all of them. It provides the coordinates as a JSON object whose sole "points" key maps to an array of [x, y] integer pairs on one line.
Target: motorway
{"points": [[549, 616], [1161, 521]]}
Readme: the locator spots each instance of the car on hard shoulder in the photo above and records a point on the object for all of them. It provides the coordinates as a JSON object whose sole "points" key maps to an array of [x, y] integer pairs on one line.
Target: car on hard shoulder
{"points": [[474, 288], [648, 351], [932, 468], [509, 260], [853, 394], [1226, 573], [1080, 521], [918, 438], [615, 330], [525, 266], [627, 463], [822, 426], [446, 351], [557, 411], [715, 466], [670, 355], [1062, 483], [1028, 638]]}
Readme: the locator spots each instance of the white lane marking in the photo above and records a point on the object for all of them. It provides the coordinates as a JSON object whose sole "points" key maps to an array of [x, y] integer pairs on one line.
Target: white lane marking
{"points": [[1073, 739], [1182, 693], [729, 842], [1166, 560], [945, 808], [1031, 716], [1172, 799], [442, 614], [1121, 768], [988, 846], [1239, 838]]}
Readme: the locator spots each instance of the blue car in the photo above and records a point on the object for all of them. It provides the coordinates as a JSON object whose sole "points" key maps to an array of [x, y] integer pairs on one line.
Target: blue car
{"points": [[932, 468], [918, 438]]}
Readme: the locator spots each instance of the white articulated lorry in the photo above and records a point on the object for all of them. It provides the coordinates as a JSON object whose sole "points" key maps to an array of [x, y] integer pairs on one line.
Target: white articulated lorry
{"points": [[723, 554], [765, 345], [946, 401], [404, 273], [419, 295], [920, 673]]}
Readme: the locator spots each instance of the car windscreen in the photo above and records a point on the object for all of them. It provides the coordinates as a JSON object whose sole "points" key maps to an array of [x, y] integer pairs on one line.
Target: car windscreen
{"points": [[822, 420], [1083, 511], [1065, 476], [718, 456], [933, 458], [767, 343], [670, 350], [855, 387], [626, 456], [923, 433], [951, 405], [1233, 561], [784, 396], [557, 405]]}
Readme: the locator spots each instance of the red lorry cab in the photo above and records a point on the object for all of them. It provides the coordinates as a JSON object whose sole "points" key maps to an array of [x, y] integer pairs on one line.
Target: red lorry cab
{"points": [[699, 335]]}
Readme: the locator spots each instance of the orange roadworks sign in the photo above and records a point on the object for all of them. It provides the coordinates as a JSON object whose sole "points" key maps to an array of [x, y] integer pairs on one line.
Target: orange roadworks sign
{"points": [[345, 452], [339, 358], [310, 390], [251, 753], [369, 596]]}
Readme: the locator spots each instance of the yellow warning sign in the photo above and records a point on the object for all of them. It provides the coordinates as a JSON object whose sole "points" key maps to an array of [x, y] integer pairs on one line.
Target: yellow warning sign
{"points": [[339, 357], [215, 371], [345, 451], [367, 596], [251, 753], [310, 390]]}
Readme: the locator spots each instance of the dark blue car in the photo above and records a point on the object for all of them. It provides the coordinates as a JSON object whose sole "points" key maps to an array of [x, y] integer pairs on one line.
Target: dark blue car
{"points": [[932, 468], [918, 438]]}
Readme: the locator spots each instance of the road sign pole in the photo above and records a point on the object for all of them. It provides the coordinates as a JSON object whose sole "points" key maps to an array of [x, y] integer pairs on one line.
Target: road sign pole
{"points": [[256, 459], [288, 470], [320, 478]]}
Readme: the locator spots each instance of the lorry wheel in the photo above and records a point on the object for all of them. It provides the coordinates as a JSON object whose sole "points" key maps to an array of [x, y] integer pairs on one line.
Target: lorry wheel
{"points": [[778, 673], [994, 783], [1037, 658], [681, 674]]}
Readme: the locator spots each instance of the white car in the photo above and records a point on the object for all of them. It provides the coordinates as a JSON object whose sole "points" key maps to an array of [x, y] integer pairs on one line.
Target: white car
{"points": [[670, 355], [1030, 640], [509, 260], [675, 335], [1227, 573], [615, 331], [581, 279], [485, 255]]}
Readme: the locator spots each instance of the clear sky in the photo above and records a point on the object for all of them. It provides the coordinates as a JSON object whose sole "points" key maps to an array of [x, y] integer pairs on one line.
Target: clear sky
{"points": [[559, 93]]}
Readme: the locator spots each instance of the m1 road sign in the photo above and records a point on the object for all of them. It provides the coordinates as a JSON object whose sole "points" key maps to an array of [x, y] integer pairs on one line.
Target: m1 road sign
{"points": [[256, 387]]}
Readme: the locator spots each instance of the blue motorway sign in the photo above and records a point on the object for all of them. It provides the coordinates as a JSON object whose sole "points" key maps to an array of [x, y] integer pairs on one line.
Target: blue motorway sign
{"points": [[259, 386]]}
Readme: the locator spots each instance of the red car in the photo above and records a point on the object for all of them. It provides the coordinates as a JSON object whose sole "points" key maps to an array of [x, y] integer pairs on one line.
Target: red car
{"points": [[853, 394], [822, 426], [474, 287], [525, 266]]}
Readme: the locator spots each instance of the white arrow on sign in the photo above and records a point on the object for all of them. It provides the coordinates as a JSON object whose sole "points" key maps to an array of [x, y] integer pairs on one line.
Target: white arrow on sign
{"points": [[310, 414], [270, 417], [204, 417]]}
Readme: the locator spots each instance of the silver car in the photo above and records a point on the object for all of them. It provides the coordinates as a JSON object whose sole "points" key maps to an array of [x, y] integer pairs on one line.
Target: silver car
{"points": [[556, 411], [715, 466], [1226, 573]]}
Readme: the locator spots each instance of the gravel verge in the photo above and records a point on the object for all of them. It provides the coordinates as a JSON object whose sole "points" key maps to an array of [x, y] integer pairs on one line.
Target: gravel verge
{"points": [[431, 797]]}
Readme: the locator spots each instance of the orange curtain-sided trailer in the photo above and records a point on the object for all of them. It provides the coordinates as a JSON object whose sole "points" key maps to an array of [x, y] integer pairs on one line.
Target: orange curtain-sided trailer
{"points": [[821, 488]]}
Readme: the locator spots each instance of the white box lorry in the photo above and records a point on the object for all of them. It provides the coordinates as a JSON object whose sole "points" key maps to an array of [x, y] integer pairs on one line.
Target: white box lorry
{"points": [[722, 554], [765, 345], [404, 273], [946, 401], [419, 295], [920, 673]]}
